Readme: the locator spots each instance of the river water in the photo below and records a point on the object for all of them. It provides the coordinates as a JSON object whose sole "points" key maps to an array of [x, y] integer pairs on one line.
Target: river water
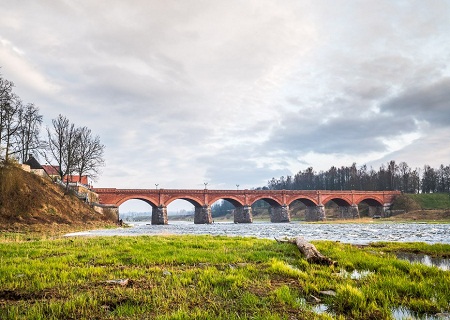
{"points": [[354, 233]]}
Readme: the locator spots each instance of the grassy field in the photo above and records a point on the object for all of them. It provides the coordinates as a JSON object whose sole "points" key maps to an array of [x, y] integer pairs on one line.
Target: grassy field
{"points": [[204, 277], [430, 201]]}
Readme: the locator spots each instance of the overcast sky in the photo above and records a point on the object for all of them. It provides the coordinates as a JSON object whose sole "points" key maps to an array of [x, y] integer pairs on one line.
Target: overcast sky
{"points": [[237, 92]]}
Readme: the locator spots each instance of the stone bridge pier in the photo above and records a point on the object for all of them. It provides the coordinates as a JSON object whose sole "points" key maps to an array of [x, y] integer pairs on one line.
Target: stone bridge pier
{"points": [[315, 213], [202, 214], [159, 215], [243, 214], [382, 211], [349, 212], [279, 213]]}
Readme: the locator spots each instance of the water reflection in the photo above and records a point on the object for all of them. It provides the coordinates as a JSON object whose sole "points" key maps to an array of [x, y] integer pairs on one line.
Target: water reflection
{"points": [[355, 274], [441, 263], [404, 313], [320, 308], [349, 233]]}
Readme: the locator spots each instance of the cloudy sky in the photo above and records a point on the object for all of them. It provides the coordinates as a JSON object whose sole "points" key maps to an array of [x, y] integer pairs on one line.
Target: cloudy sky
{"points": [[237, 92]]}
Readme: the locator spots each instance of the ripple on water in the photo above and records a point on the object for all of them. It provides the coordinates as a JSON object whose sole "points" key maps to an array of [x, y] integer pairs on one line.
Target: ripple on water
{"points": [[348, 233]]}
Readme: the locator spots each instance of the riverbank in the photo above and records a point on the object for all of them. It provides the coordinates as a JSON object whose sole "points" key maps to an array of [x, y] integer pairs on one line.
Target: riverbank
{"points": [[206, 277], [429, 215], [354, 233]]}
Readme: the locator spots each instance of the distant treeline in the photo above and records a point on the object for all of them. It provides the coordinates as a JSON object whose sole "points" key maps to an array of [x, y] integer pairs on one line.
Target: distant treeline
{"points": [[391, 176]]}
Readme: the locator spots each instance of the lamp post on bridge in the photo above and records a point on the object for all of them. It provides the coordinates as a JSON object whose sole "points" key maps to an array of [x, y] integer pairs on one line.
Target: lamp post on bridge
{"points": [[237, 187], [205, 183], [156, 185]]}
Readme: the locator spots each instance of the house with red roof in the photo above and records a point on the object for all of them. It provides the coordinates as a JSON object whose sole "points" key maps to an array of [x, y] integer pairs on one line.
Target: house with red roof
{"points": [[81, 185], [77, 179], [51, 171], [42, 170]]}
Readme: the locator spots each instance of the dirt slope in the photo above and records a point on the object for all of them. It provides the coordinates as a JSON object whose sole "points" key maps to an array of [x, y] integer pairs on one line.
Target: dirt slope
{"points": [[29, 202], [423, 215]]}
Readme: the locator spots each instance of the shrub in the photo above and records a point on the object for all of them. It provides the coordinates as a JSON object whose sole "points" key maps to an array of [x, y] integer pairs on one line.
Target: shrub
{"points": [[406, 203]]}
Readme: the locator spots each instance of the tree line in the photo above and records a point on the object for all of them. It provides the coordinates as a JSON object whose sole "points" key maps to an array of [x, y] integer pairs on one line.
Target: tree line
{"points": [[68, 148], [389, 176]]}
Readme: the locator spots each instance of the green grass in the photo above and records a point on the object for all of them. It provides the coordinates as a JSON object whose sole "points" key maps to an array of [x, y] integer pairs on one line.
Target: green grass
{"points": [[205, 277], [430, 201], [437, 250]]}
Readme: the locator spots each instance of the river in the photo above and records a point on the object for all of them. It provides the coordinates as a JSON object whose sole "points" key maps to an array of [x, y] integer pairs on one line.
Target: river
{"points": [[355, 233]]}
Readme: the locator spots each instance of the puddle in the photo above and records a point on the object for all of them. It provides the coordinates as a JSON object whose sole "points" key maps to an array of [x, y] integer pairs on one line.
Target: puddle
{"points": [[320, 308], [441, 263], [355, 274], [401, 313]]}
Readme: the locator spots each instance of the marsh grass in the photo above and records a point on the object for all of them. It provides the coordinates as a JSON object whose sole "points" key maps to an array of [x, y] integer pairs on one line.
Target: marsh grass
{"points": [[204, 277], [441, 250]]}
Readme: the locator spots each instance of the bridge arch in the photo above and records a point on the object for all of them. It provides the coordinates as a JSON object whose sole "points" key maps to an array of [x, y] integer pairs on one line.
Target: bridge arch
{"points": [[306, 201], [371, 207], [192, 200], [233, 200], [371, 201], [338, 207], [270, 200], [227, 207], [279, 212], [304, 207], [147, 200], [340, 201]]}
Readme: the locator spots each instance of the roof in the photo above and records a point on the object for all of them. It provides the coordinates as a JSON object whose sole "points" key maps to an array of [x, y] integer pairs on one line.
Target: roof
{"points": [[33, 163], [72, 178], [51, 171]]}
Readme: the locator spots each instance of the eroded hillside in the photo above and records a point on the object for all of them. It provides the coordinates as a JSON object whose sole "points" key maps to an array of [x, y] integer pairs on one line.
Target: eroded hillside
{"points": [[29, 202]]}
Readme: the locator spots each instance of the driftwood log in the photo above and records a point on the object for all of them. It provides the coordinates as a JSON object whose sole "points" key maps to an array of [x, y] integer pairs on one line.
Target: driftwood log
{"points": [[309, 250]]}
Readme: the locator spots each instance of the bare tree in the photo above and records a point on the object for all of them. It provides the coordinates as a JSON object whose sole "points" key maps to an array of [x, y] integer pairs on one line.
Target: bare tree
{"points": [[5, 102], [27, 136], [89, 154], [10, 123], [62, 146]]}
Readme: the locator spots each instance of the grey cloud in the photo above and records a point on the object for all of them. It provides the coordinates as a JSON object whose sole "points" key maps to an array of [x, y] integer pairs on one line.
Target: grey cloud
{"points": [[225, 170], [348, 134], [235, 92], [429, 103], [428, 149]]}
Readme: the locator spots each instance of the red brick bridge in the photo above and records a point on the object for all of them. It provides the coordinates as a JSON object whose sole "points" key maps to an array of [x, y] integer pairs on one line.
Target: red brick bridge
{"points": [[279, 200]]}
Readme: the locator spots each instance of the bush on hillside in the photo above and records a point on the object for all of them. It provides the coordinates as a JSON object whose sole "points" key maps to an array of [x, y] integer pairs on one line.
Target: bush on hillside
{"points": [[406, 203]]}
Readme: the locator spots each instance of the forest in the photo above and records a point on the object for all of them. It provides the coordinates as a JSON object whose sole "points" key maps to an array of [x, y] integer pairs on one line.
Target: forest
{"points": [[390, 176]]}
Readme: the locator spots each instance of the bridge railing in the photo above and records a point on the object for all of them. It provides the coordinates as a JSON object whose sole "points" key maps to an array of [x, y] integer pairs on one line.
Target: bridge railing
{"points": [[245, 191]]}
